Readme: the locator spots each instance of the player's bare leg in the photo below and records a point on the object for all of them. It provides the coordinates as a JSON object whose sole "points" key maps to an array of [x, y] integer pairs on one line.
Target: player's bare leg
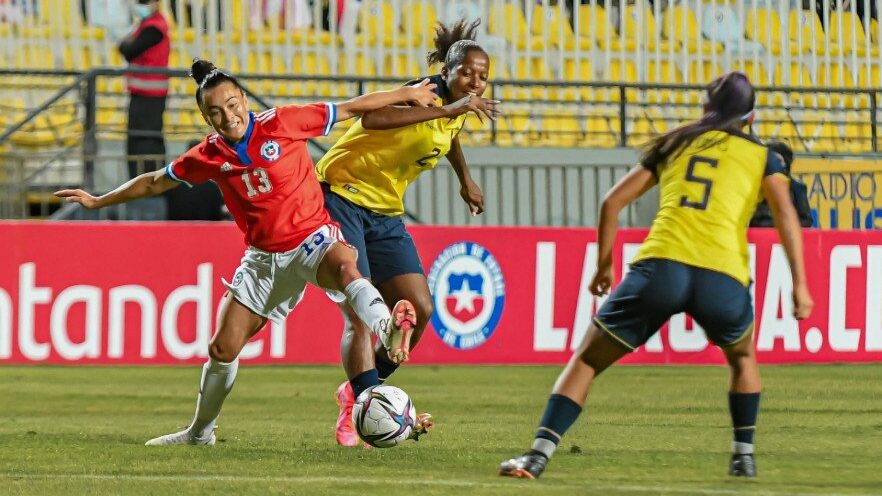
{"points": [[236, 325], [744, 396], [338, 271], [596, 353]]}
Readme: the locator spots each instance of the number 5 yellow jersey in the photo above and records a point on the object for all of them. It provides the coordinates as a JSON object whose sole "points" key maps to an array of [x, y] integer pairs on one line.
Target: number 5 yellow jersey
{"points": [[707, 196], [372, 168]]}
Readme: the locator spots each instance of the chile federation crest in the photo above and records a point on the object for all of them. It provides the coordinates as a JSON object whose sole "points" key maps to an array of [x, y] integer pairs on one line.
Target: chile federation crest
{"points": [[468, 290]]}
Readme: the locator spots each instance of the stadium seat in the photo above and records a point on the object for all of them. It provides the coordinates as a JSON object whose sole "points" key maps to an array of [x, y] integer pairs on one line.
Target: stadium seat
{"points": [[807, 25], [561, 128], [778, 124], [601, 131], [680, 25], [534, 69], [555, 29], [475, 132], [819, 132], [621, 72], [702, 73], [402, 65], [594, 24], [834, 75], [376, 23], [857, 133], [764, 26], [579, 70], [795, 75], [421, 19], [663, 72], [507, 20], [649, 34], [847, 27]]}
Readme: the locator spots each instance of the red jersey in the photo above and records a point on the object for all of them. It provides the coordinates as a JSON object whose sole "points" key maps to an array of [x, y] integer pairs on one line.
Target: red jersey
{"points": [[268, 179]]}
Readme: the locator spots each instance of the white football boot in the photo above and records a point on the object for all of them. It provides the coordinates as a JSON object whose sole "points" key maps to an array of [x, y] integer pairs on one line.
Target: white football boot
{"points": [[183, 437]]}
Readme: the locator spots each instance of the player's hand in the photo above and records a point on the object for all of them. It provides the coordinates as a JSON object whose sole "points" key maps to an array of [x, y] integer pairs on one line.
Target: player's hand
{"points": [[474, 103], [421, 94], [602, 281], [78, 196], [472, 195], [802, 302]]}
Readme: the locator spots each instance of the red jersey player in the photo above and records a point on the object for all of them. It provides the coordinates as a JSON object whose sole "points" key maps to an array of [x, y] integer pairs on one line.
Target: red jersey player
{"points": [[261, 164]]}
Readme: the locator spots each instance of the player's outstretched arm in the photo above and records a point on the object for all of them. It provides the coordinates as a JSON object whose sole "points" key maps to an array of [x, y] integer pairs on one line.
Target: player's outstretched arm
{"points": [[420, 94], [395, 117], [777, 193], [147, 184], [468, 188], [638, 181]]}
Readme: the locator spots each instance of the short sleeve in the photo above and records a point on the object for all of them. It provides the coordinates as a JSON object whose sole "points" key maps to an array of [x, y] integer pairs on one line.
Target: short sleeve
{"points": [[308, 121], [189, 168], [774, 164]]}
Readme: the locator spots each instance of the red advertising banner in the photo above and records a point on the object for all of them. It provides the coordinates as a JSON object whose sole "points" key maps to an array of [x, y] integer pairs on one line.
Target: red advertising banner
{"points": [[147, 293]]}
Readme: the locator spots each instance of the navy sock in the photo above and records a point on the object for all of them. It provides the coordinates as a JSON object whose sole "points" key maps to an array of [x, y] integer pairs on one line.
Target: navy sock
{"points": [[363, 381], [385, 369], [744, 408], [560, 413]]}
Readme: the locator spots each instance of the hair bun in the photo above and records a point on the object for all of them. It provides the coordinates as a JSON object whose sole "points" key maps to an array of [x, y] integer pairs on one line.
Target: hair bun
{"points": [[200, 69]]}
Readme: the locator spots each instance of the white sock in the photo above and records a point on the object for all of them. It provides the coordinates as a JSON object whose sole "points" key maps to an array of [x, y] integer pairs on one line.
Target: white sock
{"points": [[217, 381], [544, 446], [742, 448], [368, 305]]}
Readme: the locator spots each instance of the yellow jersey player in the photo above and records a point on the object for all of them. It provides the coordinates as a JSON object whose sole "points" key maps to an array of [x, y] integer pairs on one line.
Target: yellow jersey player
{"points": [[695, 259], [364, 177]]}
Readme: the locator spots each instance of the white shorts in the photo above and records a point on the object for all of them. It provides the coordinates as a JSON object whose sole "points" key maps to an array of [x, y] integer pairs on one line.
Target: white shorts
{"points": [[272, 284]]}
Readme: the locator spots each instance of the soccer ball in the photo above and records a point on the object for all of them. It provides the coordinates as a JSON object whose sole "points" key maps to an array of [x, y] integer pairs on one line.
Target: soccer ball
{"points": [[383, 416]]}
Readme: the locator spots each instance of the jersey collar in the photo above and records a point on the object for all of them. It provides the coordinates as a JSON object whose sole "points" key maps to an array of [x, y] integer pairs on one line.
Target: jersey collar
{"points": [[241, 147]]}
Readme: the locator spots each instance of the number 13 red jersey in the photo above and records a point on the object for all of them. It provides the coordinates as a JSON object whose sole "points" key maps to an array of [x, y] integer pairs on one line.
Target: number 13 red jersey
{"points": [[268, 179]]}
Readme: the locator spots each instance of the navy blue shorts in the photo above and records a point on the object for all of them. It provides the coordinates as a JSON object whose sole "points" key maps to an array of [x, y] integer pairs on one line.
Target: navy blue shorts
{"points": [[655, 289], [385, 248]]}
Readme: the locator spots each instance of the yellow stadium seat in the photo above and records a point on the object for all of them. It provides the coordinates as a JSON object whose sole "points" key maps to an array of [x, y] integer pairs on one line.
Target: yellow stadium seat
{"points": [[561, 128], [797, 76], [621, 72], [402, 66], [847, 27], [579, 70], [702, 73], [507, 20], [764, 26], [673, 22], [874, 31], [869, 76], [779, 125], [422, 19], [649, 35], [857, 134], [835, 76], [594, 25], [534, 69], [805, 23], [550, 25], [376, 22], [475, 132], [663, 72], [602, 132]]}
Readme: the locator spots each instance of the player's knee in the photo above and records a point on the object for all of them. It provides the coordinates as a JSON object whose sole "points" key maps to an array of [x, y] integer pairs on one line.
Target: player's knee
{"points": [[222, 353]]}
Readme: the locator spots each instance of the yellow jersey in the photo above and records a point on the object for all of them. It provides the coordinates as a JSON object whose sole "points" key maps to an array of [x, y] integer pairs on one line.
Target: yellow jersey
{"points": [[707, 195], [372, 168]]}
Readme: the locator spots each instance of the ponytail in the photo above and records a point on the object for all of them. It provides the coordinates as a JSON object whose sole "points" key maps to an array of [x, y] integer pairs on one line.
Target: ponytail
{"points": [[452, 44], [730, 101]]}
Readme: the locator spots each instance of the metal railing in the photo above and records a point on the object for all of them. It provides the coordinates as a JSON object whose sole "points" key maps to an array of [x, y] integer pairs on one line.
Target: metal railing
{"points": [[805, 43]]}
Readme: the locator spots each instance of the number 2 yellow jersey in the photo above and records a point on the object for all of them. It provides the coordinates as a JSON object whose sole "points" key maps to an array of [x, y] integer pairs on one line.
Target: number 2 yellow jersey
{"points": [[372, 168], [707, 195]]}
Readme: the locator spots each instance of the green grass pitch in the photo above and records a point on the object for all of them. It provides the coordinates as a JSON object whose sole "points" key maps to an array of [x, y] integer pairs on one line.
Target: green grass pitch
{"points": [[646, 431]]}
